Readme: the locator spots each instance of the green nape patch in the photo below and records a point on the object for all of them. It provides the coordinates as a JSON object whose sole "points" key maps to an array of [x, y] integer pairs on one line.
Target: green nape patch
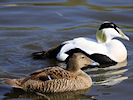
{"points": [[101, 37]]}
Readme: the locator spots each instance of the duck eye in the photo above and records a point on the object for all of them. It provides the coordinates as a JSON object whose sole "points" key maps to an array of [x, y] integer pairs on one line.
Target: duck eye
{"points": [[83, 57]]}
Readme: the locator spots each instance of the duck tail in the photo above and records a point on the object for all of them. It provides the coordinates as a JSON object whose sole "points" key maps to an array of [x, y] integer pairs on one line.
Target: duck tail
{"points": [[12, 82], [49, 53], [39, 55]]}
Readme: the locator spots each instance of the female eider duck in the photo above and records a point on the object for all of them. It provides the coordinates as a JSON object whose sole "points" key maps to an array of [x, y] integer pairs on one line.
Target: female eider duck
{"points": [[56, 79], [106, 50]]}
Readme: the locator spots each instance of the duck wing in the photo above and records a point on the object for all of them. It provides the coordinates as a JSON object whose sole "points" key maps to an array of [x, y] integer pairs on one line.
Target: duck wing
{"points": [[56, 85], [49, 73]]}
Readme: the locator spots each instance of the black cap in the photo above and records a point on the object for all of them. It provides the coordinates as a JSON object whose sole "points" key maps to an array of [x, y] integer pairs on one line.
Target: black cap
{"points": [[108, 24]]}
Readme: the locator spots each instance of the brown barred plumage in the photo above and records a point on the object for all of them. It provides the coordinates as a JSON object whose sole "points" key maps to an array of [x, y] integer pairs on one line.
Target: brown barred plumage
{"points": [[56, 79]]}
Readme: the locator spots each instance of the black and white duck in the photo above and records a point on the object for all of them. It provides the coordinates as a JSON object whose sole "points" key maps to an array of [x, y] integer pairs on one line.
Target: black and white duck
{"points": [[105, 50]]}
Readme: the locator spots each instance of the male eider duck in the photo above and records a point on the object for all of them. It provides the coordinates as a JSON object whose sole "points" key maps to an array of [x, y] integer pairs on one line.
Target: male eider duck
{"points": [[56, 79], [106, 50]]}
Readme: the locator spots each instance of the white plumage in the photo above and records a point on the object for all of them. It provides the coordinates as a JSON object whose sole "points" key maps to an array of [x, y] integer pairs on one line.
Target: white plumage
{"points": [[106, 45], [104, 50]]}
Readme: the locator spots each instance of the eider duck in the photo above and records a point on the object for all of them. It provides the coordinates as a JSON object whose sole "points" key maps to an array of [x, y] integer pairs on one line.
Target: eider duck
{"points": [[56, 79], [106, 50]]}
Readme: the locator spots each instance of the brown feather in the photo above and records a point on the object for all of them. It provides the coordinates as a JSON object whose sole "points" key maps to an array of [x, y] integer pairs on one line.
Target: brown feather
{"points": [[53, 72], [56, 79]]}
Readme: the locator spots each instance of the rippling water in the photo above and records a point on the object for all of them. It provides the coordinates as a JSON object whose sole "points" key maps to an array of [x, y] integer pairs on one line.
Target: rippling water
{"points": [[27, 26]]}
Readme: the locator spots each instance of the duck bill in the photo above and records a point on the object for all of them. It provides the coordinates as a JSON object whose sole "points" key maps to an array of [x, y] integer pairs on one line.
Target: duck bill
{"points": [[123, 36], [94, 63]]}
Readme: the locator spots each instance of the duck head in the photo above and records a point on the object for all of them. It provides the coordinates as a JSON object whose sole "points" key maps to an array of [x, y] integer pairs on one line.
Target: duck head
{"points": [[78, 61], [107, 31]]}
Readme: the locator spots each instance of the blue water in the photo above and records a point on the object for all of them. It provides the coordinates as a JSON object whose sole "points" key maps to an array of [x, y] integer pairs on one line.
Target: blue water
{"points": [[27, 26]]}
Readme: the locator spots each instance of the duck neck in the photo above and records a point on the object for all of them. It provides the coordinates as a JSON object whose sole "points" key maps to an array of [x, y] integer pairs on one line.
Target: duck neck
{"points": [[104, 36], [108, 39], [73, 67]]}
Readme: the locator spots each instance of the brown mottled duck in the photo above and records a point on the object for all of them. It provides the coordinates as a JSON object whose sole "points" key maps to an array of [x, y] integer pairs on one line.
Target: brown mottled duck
{"points": [[56, 79]]}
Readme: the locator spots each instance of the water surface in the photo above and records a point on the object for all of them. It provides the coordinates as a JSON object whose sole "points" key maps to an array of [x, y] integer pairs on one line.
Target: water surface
{"points": [[27, 26]]}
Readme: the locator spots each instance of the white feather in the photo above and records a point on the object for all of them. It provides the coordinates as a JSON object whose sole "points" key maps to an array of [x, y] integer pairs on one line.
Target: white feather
{"points": [[49, 77], [113, 49], [82, 43]]}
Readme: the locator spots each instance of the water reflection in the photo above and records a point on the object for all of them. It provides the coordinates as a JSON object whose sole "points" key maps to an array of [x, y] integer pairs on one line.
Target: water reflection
{"points": [[106, 75], [80, 26], [27, 26], [21, 28], [111, 75], [74, 3], [76, 95]]}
